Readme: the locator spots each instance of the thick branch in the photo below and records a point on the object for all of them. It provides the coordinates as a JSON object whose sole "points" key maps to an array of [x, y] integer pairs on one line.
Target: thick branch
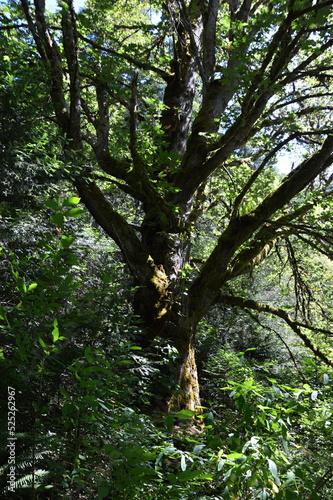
{"points": [[239, 199], [209, 39], [70, 42], [135, 255], [294, 325], [217, 268], [122, 55], [264, 241], [180, 90], [200, 160], [49, 52]]}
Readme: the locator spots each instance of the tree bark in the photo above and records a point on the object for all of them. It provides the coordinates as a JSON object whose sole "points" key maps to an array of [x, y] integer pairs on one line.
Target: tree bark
{"points": [[187, 395]]}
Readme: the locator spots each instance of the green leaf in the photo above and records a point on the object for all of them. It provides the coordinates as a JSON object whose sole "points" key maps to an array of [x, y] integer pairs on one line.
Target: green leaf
{"points": [[186, 414], [189, 475], [57, 219], [2, 312], [87, 354], [103, 491], [55, 331], [72, 200], [74, 212], [64, 392], [220, 465], [169, 422], [112, 451], [172, 478], [234, 455], [41, 342], [264, 495], [52, 204], [67, 409], [198, 448], [273, 470], [32, 286], [66, 241]]}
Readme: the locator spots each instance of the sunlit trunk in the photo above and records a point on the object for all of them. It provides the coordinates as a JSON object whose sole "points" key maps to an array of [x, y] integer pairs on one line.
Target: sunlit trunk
{"points": [[187, 394], [165, 313]]}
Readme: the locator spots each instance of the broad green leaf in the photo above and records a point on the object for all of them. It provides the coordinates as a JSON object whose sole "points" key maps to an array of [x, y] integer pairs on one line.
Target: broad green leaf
{"points": [[191, 475], [273, 470], [112, 451], [67, 409], [52, 204], [32, 286], [169, 449], [186, 414], [64, 392], [234, 455], [88, 354], [41, 342], [172, 478], [103, 491], [74, 212], [66, 241], [55, 331], [57, 219], [169, 422], [72, 200], [220, 465], [198, 448]]}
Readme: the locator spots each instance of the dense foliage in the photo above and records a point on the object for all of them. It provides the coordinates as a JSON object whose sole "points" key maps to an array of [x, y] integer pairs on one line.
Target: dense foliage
{"points": [[151, 247]]}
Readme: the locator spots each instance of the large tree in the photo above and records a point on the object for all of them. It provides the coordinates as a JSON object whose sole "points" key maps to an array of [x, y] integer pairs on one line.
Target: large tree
{"points": [[184, 107]]}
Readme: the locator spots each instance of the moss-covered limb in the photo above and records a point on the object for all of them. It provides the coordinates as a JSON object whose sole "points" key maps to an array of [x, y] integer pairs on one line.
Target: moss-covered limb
{"points": [[254, 176], [217, 93], [297, 180], [216, 270], [50, 54], [135, 254], [264, 241], [180, 89], [294, 325], [201, 159], [198, 164], [71, 48]]}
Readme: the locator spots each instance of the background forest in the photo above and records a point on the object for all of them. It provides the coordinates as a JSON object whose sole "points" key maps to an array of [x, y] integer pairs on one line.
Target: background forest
{"points": [[166, 289]]}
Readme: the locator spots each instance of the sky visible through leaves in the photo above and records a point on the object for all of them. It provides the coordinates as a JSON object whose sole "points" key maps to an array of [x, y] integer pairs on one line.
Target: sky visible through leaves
{"points": [[52, 5]]}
